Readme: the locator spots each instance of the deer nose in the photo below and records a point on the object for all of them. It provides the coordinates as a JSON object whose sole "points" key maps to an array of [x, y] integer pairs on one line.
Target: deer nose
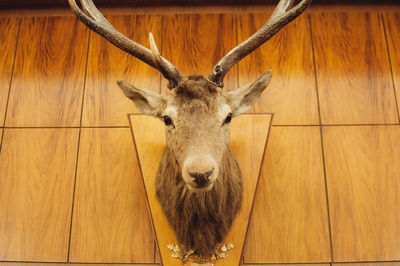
{"points": [[201, 179]]}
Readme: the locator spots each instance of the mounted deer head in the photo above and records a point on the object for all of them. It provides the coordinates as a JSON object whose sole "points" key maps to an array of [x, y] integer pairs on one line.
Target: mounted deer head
{"points": [[196, 113]]}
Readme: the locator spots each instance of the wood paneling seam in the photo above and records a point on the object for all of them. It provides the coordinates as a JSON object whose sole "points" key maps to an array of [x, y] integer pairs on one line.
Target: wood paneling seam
{"points": [[161, 52], [326, 194], [237, 41], [12, 74], [143, 184], [77, 152], [390, 64], [9, 84], [73, 195], [315, 67], [257, 186]]}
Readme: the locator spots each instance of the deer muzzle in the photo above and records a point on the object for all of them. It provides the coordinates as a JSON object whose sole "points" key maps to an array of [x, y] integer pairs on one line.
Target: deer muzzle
{"points": [[200, 172]]}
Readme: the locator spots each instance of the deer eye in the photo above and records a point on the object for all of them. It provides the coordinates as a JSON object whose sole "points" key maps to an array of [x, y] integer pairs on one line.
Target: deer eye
{"points": [[167, 120], [228, 119]]}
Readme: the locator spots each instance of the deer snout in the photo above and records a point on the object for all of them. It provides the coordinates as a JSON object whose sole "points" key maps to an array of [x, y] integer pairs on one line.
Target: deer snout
{"points": [[201, 179], [199, 172]]}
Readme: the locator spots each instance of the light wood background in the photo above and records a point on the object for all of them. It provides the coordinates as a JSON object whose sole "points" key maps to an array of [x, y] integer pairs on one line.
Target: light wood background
{"points": [[70, 187]]}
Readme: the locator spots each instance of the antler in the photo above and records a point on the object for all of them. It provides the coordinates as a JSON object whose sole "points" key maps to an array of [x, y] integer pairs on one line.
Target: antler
{"points": [[93, 18], [282, 15]]}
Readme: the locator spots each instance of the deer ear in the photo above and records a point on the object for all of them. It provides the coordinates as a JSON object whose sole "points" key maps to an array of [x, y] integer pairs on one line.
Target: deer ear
{"points": [[147, 102], [243, 98]]}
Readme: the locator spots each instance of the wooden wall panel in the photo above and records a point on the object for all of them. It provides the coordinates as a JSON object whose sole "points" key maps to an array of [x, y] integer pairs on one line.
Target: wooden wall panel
{"points": [[52, 3], [49, 71], [363, 176], [195, 43], [288, 264], [289, 221], [110, 220], [353, 72], [291, 95], [8, 38], [105, 104], [392, 22], [37, 170], [368, 264], [72, 264], [157, 254]]}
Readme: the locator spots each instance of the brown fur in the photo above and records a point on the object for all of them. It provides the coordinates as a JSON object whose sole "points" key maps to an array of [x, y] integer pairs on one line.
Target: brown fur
{"points": [[200, 220], [196, 87]]}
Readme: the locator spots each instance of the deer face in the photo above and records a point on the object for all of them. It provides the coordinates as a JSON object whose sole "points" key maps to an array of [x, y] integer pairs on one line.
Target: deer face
{"points": [[197, 116], [197, 120]]}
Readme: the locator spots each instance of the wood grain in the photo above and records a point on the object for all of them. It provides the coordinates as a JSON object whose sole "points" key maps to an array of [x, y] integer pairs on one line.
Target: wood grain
{"points": [[72, 264], [291, 95], [202, 9], [249, 152], [288, 264], [363, 177], [368, 264], [8, 38], [195, 43], [49, 73], [37, 170], [111, 222], [59, 3], [104, 103], [290, 222], [157, 254], [392, 22], [353, 72]]}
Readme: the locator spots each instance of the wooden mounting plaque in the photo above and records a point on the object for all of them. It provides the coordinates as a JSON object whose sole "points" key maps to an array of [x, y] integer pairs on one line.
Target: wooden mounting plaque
{"points": [[249, 134]]}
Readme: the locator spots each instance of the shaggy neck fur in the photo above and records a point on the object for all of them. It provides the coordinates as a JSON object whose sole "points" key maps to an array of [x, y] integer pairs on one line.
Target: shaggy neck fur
{"points": [[200, 220]]}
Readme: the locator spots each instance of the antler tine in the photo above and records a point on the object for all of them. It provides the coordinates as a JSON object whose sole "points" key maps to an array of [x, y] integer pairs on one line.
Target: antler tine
{"points": [[282, 15], [283, 6], [93, 19]]}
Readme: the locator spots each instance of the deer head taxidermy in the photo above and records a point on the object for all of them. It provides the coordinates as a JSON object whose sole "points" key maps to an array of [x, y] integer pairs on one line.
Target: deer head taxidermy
{"points": [[199, 183]]}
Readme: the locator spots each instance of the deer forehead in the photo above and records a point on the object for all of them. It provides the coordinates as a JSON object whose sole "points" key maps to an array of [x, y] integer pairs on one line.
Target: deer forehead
{"points": [[218, 110], [195, 97]]}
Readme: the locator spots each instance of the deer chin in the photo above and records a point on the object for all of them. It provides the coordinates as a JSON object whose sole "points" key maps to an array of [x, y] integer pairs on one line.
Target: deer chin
{"points": [[202, 189]]}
